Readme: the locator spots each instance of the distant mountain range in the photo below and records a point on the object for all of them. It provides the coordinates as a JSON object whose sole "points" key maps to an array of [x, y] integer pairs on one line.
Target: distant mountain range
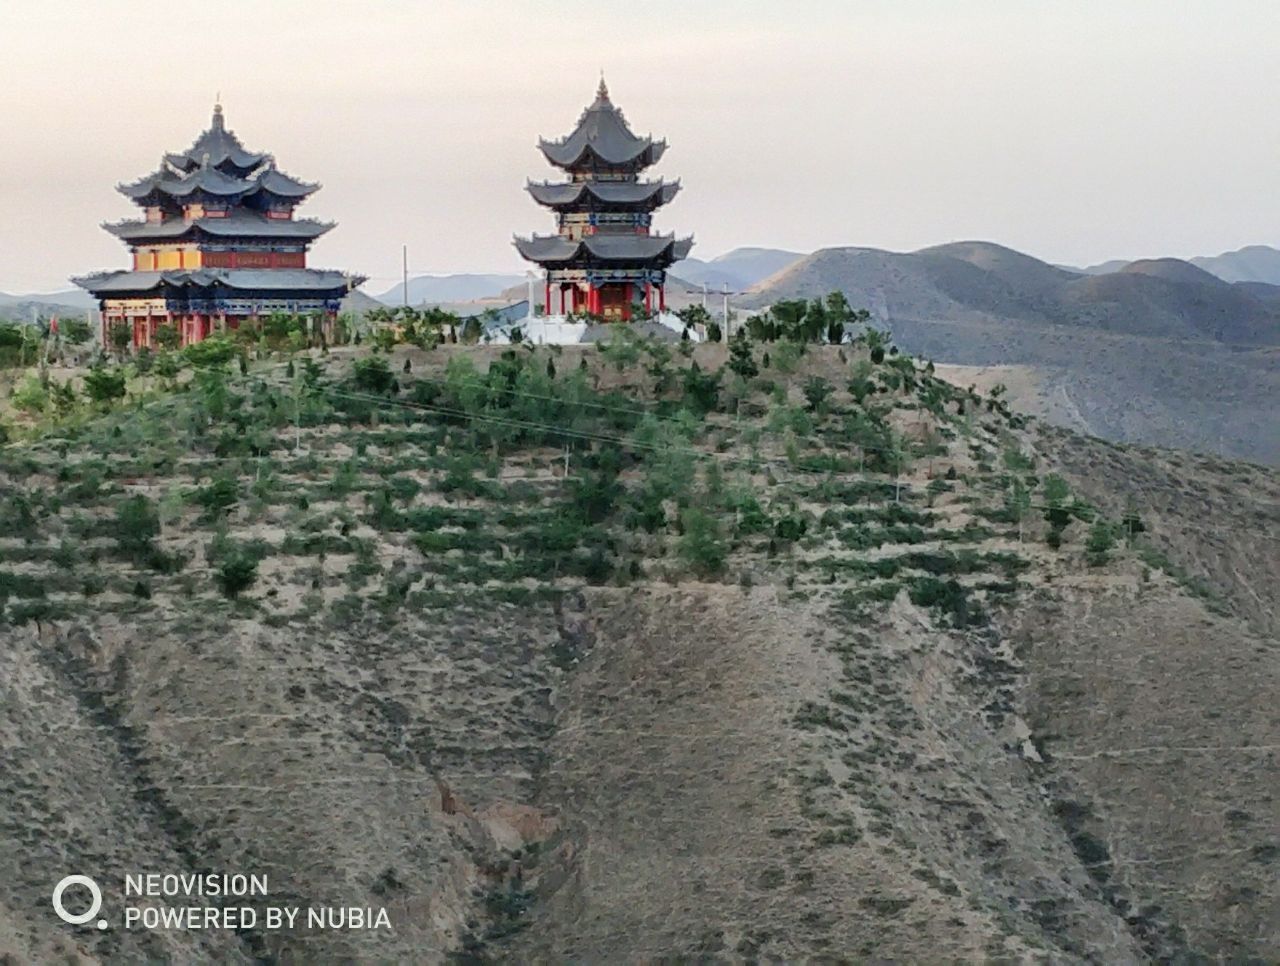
{"points": [[980, 281], [442, 289], [1254, 263], [1159, 351], [738, 269], [75, 302]]}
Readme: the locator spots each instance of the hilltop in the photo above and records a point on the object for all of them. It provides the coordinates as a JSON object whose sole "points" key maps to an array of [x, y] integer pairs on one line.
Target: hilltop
{"points": [[1253, 263], [638, 651]]}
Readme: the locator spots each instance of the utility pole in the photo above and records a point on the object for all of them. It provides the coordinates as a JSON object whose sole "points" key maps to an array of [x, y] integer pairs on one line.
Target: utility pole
{"points": [[725, 290], [704, 294], [404, 251]]}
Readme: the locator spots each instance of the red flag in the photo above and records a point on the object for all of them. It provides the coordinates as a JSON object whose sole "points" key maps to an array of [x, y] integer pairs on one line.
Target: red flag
{"points": [[53, 325]]}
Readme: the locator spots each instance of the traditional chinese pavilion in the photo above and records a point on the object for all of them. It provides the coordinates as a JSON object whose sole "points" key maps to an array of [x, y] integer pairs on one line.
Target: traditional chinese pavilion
{"points": [[218, 244], [604, 256]]}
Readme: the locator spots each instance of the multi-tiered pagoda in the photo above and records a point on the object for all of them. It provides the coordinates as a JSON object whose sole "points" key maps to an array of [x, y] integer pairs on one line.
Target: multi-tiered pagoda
{"points": [[218, 245], [603, 257]]}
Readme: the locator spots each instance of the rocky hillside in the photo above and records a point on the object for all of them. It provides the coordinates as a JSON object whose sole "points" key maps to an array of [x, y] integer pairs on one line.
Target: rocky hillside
{"points": [[638, 652]]}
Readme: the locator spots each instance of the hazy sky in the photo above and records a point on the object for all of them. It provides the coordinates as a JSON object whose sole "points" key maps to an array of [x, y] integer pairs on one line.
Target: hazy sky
{"points": [[1074, 130]]}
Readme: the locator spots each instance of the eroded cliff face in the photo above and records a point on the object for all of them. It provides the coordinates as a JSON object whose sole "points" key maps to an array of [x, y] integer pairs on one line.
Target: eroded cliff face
{"points": [[671, 771]]}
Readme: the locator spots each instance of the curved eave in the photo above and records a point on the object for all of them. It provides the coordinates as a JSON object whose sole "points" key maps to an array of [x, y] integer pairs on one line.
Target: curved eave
{"points": [[622, 194], [220, 155], [547, 249], [280, 185], [566, 155], [606, 249], [235, 227], [213, 184], [320, 282]]}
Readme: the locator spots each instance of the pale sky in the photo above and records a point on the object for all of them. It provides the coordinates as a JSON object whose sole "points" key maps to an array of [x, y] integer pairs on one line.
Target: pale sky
{"points": [[1074, 130]]}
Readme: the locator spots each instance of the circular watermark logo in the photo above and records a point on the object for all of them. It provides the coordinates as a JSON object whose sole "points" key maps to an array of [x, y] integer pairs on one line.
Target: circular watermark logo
{"points": [[94, 892]]}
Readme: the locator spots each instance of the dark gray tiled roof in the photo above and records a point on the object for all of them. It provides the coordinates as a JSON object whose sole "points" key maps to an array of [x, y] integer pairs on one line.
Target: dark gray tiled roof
{"points": [[220, 145], [609, 192], [139, 189], [278, 279], [277, 182], [547, 248], [602, 131], [210, 181], [217, 165], [605, 248], [238, 224]]}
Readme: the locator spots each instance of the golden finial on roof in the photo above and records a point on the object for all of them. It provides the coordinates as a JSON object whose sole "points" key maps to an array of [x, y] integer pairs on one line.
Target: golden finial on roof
{"points": [[602, 92]]}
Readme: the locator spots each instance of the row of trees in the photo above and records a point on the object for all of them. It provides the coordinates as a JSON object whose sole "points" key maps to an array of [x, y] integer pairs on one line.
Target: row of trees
{"points": [[831, 319]]}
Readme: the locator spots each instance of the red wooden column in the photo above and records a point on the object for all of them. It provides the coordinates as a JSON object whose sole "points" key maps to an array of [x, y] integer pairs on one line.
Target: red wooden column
{"points": [[562, 298], [546, 299], [662, 298]]}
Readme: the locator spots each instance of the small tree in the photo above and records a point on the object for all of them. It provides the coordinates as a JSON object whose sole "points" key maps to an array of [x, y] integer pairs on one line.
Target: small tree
{"points": [[1099, 543], [1056, 512], [740, 358], [878, 342], [701, 389], [236, 571], [860, 385], [31, 396], [168, 337], [119, 336], [702, 546], [373, 375], [103, 386], [816, 393], [1017, 502]]}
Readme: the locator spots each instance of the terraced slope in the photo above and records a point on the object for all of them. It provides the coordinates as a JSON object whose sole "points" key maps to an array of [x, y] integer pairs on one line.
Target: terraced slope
{"points": [[598, 655]]}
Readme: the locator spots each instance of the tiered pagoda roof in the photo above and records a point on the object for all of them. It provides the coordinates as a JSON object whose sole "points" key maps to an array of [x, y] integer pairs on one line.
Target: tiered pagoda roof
{"points": [[604, 210], [219, 218], [219, 148], [602, 138], [170, 188]]}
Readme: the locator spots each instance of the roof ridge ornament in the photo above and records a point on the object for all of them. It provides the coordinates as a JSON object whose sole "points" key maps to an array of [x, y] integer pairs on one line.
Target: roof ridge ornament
{"points": [[602, 92], [218, 124]]}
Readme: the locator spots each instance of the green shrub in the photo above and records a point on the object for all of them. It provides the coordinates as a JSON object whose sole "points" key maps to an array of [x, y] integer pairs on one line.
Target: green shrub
{"points": [[137, 525], [237, 571], [947, 596], [1099, 543], [373, 375], [214, 352], [222, 493], [702, 545]]}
